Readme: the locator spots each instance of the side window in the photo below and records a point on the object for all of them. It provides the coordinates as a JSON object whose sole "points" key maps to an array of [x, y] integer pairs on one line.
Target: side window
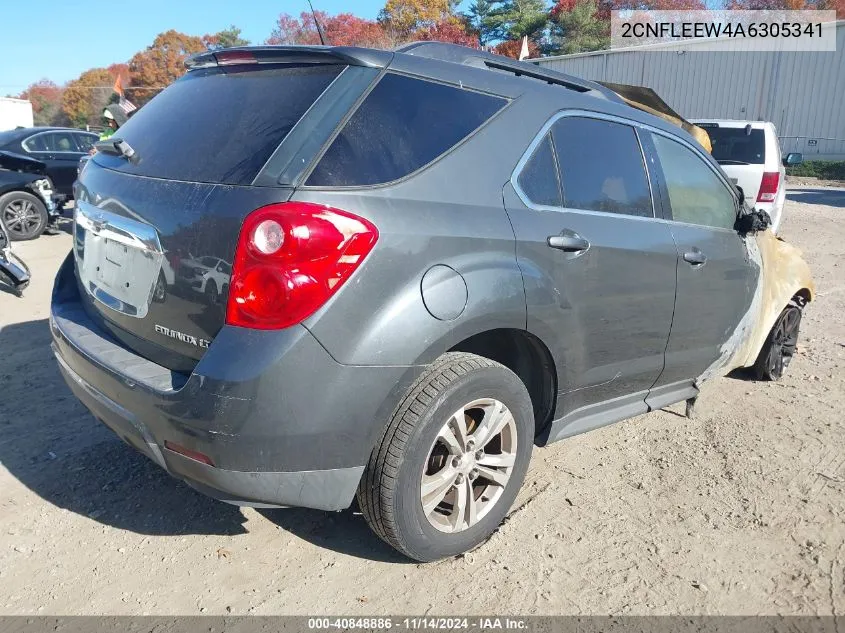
{"points": [[63, 142], [696, 193], [37, 143], [85, 141], [539, 178], [601, 167], [402, 125]]}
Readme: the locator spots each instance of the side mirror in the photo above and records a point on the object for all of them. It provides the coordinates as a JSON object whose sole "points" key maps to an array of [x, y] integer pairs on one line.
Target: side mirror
{"points": [[793, 158]]}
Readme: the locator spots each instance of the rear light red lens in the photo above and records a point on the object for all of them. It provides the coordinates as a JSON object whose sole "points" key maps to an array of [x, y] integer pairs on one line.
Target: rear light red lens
{"points": [[187, 452], [290, 259], [769, 187], [226, 58]]}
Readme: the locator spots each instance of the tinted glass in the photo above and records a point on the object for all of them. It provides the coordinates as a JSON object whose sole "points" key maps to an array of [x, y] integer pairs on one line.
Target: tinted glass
{"points": [[38, 143], [732, 146], [696, 193], [85, 141], [220, 125], [539, 178], [601, 167], [402, 125], [62, 142]]}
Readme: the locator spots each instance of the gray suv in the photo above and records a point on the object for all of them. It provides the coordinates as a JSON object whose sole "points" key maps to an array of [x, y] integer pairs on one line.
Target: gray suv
{"points": [[440, 258]]}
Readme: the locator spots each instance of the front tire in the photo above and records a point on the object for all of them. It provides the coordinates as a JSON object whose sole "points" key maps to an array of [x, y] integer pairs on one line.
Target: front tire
{"points": [[450, 463], [780, 345], [23, 214]]}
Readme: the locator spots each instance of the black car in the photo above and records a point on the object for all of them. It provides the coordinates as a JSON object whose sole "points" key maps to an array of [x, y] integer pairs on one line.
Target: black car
{"points": [[58, 148], [27, 199]]}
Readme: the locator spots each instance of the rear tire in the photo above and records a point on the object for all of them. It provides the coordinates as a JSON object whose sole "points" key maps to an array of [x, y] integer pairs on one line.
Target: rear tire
{"points": [[24, 215], [211, 293], [450, 463], [780, 345]]}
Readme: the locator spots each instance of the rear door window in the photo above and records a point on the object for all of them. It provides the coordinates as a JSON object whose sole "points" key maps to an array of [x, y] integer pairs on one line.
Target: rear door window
{"points": [[697, 195], [220, 125], [601, 167], [402, 125], [85, 141]]}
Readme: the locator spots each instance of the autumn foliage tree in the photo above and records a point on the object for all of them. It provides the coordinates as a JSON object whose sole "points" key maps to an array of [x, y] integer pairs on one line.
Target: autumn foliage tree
{"points": [[46, 98], [84, 98], [344, 29], [160, 64]]}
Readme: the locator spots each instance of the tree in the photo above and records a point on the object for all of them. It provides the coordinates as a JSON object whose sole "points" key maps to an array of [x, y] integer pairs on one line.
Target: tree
{"points": [[450, 31], [84, 98], [344, 29], [227, 38], [478, 20], [512, 48], [578, 27], [514, 19], [401, 18], [46, 98], [160, 64]]}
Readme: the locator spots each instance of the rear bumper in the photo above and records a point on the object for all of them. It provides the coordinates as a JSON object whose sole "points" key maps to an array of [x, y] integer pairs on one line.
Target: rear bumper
{"points": [[281, 421]]}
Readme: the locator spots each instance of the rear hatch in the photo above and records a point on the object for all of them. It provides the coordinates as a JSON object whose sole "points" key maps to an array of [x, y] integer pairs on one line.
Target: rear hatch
{"points": [[157, 225], [741, 151]]}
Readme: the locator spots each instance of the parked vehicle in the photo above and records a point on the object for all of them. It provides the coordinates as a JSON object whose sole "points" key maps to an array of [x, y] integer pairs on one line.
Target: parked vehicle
{"points": [[440, 257], [749, 153], [27, 199], [14, 273], [58, 148]]}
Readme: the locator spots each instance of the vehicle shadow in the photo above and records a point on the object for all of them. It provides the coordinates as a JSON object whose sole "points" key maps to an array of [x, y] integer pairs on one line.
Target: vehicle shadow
{"points": [[828, 197], [52, 445], [343, 532]]}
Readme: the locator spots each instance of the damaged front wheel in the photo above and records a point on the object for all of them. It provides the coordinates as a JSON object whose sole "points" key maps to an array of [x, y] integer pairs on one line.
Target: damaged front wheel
{"points": [[780, 345]]}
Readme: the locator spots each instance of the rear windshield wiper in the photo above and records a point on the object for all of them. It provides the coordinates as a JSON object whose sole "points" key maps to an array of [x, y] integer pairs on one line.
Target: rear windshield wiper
{"points": [[117, 147], [732, 162]]}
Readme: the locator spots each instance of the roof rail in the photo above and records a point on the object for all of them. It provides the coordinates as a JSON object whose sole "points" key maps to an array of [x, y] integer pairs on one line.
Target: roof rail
{"points": [[472, 57]]}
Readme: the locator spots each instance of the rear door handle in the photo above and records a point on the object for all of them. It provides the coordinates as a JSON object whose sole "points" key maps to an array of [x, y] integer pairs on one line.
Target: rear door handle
{"points": [[569, 242], [695, 257]]}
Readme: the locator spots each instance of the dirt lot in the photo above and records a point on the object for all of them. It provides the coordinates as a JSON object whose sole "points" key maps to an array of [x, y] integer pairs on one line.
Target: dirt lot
{"points": [[740, 511]]}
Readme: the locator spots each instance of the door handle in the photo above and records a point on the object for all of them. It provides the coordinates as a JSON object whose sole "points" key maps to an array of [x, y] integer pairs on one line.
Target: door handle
{"points": [[695, 257], [568, 241]]}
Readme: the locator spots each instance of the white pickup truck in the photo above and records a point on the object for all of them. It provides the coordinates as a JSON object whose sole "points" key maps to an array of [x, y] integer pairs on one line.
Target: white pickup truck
{"points": [[749, 153]]}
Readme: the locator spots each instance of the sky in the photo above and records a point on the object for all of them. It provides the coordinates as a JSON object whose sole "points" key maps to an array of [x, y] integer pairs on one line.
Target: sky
{"points": [[66, 37]]}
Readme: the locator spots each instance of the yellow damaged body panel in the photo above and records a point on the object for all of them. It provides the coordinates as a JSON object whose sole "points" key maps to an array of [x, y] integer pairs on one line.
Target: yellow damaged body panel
{"points": [[783, 275]]}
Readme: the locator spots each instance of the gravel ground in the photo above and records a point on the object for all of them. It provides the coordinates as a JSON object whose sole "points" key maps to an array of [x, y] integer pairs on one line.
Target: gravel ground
{"points": [[739, 511]]}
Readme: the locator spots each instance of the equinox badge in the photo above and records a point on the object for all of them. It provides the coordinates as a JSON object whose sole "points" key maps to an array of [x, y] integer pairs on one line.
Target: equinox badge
{"points": [[181, 336]]}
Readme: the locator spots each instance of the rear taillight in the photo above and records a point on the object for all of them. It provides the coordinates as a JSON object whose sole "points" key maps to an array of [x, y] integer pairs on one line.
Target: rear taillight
{"points": [[229, 58], [769, 187], [290, 259]]}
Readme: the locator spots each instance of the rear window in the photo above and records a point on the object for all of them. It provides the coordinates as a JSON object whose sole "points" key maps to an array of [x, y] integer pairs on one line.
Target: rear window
{"points": [[733, 146], [402, 125], [220, 125]]}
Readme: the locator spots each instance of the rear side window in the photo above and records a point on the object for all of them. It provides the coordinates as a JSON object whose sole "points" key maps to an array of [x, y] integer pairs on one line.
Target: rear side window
{"points": [[220, 125], [85, 141], [735, 146], [601, 167], [697, 195], [539, 178], [401, 126]]}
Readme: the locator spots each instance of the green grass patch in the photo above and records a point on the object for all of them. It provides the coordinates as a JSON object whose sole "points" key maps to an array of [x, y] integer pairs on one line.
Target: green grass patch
{"points": [[824, 169]]}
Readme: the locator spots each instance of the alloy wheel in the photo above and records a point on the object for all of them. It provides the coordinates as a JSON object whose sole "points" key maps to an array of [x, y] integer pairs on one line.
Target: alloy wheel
{"points": [[22, 218], [469, 465]]}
